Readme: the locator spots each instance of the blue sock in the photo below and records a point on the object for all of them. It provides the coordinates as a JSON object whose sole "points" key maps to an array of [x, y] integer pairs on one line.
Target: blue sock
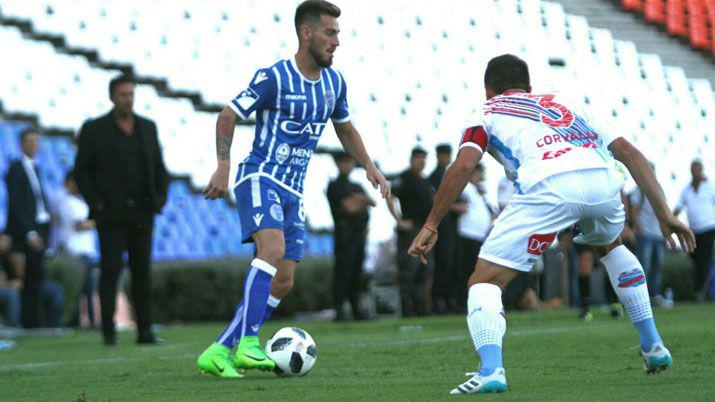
{"points": [[229, 336], [648, 333], [256, 289], [271, 306], [491, 359]]}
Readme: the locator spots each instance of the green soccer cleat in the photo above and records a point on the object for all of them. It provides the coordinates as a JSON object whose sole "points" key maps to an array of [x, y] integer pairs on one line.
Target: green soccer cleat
{"points": [[250, 355], [216, 361]]}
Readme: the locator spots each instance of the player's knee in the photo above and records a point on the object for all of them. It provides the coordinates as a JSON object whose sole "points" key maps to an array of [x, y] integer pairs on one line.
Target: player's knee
{"points": [[281, 285]]}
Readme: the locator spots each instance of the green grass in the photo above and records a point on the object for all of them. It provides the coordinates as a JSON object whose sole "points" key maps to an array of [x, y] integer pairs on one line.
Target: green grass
{"points": [[548, 356]]}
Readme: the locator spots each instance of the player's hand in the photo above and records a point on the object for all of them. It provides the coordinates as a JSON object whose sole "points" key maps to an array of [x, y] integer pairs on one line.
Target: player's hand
{"points": [[673, 226], [377, 179], [218, 185], [423, 243]]}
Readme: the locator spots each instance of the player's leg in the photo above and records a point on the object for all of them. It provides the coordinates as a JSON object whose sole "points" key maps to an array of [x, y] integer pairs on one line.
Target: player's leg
{"points": [[585, 267]]}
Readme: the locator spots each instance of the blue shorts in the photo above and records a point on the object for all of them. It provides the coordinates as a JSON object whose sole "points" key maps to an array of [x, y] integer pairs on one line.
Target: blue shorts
{"points": [[263, 204]]}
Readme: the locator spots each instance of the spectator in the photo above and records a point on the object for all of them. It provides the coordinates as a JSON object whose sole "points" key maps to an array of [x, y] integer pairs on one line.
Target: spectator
{"points": [[650, 244], [415, 194], [446, 284], [698, 199], [77, 237], [120, 172], [10, 304], [473, 227], [28, 224], [349, 206]]}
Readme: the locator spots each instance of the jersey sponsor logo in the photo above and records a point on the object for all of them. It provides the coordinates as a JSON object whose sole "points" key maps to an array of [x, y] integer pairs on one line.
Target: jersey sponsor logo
{"points": [[631, 279], [276, 212], [260, 77], [246, 99], [257, 218], [538, 243], [296, 97], [282, 152], [296, 128]]}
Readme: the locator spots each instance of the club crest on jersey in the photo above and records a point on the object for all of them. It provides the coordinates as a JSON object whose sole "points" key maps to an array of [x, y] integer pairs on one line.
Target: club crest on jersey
{"points": [[245, 99], [276, 212], [282, 152], [329, 98]]}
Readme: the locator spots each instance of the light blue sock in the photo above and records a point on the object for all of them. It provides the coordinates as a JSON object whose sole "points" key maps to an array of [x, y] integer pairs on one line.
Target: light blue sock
{"points": [[491, 359], [256, 290], [648, 333]]}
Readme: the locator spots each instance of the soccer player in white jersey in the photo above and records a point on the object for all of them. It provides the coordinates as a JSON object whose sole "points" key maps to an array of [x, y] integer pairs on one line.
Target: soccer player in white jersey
{"points": [[293, 100], [563, 171]]}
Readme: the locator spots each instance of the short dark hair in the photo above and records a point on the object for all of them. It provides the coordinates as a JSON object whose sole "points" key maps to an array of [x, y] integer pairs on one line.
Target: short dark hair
{"points": [[418, 150], [30, 130], [310, 11], [506, 72], [443, 148], [118, 80]]}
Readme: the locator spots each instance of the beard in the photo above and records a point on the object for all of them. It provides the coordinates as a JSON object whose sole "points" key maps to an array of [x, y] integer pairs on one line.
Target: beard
{"points": [[321, 60]]}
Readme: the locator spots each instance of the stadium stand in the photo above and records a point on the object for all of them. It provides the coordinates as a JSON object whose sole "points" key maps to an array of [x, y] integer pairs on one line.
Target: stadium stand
{"points": [[398, 97]]}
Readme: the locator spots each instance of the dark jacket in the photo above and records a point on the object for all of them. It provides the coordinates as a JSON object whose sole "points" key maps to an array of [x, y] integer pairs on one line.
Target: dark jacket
{"points": [[97, 171], [22, 205]]}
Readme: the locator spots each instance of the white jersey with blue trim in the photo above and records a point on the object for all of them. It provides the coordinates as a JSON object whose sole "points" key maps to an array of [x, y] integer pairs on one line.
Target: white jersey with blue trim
{"points": [[535, 136], [291, 114]]}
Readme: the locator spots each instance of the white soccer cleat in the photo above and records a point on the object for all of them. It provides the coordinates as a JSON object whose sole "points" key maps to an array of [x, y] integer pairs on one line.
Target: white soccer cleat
{"points": [[657, 359], [496, 382]]}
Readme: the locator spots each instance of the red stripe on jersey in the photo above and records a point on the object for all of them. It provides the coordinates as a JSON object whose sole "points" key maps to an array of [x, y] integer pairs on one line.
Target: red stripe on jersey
{"points": [[475, 135]]}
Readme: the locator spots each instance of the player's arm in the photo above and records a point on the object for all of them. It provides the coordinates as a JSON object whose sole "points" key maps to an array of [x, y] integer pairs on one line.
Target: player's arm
{"points": [[225, 126], [452, 186], [352, 143], [642, 173]]}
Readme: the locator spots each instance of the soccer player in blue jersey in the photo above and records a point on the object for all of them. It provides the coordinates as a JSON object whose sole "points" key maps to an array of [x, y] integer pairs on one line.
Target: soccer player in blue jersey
{"points": [[293, 100]]}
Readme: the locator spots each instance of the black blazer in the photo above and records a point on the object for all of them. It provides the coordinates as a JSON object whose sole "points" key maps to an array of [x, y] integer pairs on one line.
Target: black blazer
{"points": [[22, 205], [97, 164]]}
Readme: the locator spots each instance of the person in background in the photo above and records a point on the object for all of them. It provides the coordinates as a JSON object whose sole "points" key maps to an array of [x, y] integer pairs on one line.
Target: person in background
{"points": [[415, 193], [473, 228], [76, 236], [698, 199], [120, 172], [446, 281], [28, 224], [349, 206], [650, 243], [10, 305]]}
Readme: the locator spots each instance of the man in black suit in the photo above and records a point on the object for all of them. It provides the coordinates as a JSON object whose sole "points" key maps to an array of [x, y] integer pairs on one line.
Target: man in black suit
{"points": [[120, 172], [28, 223]]}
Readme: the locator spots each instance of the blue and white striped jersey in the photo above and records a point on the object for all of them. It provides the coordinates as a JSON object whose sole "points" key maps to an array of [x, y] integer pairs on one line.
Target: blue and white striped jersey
{"points": [[291, 114]]}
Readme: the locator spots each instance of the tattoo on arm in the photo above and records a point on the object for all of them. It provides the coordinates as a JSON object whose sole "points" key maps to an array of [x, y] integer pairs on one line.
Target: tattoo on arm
{"points": [[224, 136]]}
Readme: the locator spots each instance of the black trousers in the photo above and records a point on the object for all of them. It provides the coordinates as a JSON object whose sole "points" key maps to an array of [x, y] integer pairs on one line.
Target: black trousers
{"points": [[703, 258], [447, 278], [349, 257], [134, 236], [413, 275], [34, 276], [469, 253]]}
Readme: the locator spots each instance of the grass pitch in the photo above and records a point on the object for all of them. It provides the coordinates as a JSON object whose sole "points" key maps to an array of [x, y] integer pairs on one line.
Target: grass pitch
{"points": [[548, 356]]}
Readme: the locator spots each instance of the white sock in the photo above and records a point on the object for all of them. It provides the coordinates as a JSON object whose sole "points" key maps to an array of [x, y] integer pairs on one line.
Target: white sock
{"points": [[486, 324]]}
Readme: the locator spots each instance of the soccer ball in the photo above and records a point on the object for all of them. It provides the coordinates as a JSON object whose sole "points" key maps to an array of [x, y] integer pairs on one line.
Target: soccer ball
{"points": [[293, 350]]}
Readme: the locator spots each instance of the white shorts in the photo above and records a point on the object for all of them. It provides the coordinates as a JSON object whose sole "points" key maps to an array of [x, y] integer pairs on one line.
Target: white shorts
{"points": [[530, 222]]}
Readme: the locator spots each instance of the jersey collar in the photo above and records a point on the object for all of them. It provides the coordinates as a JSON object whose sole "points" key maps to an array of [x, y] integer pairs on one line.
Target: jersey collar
{"points": [[294, 66]]}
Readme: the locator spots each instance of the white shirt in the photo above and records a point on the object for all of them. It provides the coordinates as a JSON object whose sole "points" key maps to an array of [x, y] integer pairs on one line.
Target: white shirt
{"points": [[475, 223], [505, 190], [700, 206], [72, 209], [535, 136], [41, 214], [646, 215]]}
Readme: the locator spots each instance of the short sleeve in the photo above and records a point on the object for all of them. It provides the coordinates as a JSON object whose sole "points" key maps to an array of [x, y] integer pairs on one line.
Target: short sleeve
{"points": [[475, 133], [260, 94], [341, 113]]}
